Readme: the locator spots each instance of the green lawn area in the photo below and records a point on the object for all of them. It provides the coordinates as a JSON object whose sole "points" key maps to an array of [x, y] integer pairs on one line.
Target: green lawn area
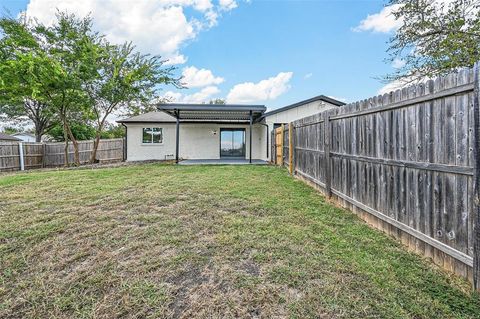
{"points": [[205, 242]]}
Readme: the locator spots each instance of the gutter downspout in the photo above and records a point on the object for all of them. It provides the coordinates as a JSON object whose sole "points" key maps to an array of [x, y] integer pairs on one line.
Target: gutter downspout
{"points": [[125, 143], [177, 136], [266, 125], [250, 141]]}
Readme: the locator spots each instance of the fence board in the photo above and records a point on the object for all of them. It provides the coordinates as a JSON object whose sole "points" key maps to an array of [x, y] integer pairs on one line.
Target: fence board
{"points": [[404, 161], [37, 155]]}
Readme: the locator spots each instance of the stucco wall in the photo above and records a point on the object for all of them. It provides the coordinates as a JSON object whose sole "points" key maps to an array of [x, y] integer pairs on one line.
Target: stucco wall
{"points": [[197, 141], [25, 137], [297, 113]]}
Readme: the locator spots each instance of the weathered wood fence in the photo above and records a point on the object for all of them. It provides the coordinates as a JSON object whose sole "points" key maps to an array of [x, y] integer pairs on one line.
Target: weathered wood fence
{"points": [[405, 162], [14, 155]]}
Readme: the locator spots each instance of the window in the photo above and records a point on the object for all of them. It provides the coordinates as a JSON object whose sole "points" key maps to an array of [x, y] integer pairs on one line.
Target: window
{"points": [[152, 135]]}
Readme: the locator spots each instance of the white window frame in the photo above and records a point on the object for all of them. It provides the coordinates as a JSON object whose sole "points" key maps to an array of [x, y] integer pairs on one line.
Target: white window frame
{"points": [[152, 143]]}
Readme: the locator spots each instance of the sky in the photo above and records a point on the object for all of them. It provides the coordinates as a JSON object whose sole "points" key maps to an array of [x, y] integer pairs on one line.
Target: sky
{"points": [[260, 52]]}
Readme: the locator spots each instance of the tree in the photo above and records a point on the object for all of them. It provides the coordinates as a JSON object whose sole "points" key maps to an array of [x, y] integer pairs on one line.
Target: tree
{"points": [[80, 130], [70, 73], [436, 37], [125, 80], [10, 130], [38, 112], [45, 68], [22, 66], [74, 50], [113, 131]]}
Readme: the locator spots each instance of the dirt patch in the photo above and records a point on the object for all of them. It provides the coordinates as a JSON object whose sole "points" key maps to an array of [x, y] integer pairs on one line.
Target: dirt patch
{"points": [[250, 267]]}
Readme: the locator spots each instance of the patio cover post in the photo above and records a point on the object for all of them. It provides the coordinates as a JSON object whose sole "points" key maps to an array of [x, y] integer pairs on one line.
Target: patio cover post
{"points": [[250, 141], [177, 137]]}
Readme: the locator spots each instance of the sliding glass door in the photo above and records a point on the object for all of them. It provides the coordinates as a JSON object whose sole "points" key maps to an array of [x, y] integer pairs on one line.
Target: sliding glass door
{"points": [[232, 142]]}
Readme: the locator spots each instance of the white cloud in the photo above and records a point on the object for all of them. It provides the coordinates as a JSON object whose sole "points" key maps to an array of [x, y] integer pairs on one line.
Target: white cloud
{"points": [[401, 83], [308, 76], [159, 27], [203, 96], [171, 96], [383, 22], [264, 90], [392, 87], [228, 4], [193, 77], [398, 63]]}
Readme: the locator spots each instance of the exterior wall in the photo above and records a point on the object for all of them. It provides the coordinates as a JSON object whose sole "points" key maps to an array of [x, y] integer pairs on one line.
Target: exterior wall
{"points": [[25, 137], [297, 113], [197, 141], [137, 151]]}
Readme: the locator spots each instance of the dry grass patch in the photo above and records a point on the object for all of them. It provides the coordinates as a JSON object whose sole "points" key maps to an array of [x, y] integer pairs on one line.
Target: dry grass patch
{"points": [[162, 241]]}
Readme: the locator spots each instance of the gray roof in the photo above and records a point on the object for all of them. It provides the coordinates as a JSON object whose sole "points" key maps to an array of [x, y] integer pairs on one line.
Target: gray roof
{"points": [[151, 117], [213, 112], [313, 99], [6, 137], [24, 133]]}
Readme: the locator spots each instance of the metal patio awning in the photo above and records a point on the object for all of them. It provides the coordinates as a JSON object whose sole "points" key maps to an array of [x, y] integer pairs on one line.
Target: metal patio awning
{"points": [[213, 112], [208, 113]]}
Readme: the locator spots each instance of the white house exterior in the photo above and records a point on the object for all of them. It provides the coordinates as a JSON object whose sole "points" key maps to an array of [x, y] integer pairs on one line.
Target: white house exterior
{"points": [[25, 137], [204, 132], [211, 132], [299, 110], [197, 141]]}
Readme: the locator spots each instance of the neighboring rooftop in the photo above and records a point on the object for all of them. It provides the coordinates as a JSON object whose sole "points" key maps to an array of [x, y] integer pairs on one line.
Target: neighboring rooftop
{"points": [[6, 137], [313, 99], [24, 133]]}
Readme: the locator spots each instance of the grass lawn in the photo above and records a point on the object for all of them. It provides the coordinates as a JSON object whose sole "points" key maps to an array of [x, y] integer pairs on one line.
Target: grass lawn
{"points": [[206, 242]]}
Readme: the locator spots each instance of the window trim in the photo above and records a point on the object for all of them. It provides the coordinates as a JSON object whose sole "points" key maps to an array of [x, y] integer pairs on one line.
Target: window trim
{"points": [[152, 143]]}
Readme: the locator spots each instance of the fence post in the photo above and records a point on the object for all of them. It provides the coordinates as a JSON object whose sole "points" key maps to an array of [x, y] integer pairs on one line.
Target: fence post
{"points": [[476, 211], [124, 149], [282, 134], [273, 153], [44, 154], [328, 172], [20, 154], [290, 148]]}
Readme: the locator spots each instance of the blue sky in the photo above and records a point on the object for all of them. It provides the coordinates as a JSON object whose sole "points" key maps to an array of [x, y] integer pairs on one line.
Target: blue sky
{"points": [[267, 52]]}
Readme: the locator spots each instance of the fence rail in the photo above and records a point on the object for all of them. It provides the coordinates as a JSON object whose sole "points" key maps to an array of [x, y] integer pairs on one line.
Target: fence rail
{"points": [[405, 162], [38, 155]]}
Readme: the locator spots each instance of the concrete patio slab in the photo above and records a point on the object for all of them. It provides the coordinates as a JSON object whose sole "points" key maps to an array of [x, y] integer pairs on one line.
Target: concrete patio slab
{"points": [[222, 162]]}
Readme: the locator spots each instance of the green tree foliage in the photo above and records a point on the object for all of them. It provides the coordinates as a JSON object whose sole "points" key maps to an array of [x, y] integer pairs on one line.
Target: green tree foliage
{"points": [[80, 130], [436, 37], [113, 131], [65, 77], [75, 51], [23, 68], [10, 130], [125, 80], [85, 131]]}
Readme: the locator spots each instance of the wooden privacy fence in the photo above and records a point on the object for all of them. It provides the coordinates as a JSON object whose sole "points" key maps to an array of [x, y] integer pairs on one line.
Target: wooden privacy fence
{"points": [[405, 162], [19, 156]]}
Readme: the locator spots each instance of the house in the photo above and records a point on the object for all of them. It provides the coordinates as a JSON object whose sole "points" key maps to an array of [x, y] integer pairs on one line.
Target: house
{"points": [[299, 110], [25, 137], [212, 131], [8, 138]]}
